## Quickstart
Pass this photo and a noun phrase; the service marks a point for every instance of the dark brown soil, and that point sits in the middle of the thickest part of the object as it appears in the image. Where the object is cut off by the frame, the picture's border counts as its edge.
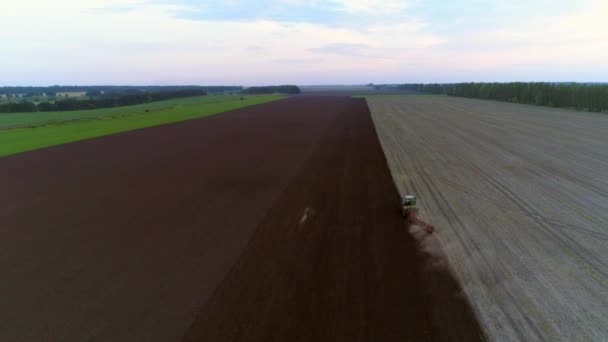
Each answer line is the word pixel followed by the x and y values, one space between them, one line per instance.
pixel 125 237
pixel 274 222
pixel 332 259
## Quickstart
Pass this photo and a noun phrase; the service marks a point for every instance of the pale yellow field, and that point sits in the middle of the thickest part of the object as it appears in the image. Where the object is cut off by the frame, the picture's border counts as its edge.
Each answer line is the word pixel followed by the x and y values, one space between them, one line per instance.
pixel 519 196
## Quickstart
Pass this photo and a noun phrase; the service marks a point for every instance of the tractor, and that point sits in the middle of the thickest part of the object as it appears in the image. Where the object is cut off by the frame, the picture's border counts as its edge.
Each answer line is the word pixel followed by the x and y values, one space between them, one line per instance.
pixel 408 205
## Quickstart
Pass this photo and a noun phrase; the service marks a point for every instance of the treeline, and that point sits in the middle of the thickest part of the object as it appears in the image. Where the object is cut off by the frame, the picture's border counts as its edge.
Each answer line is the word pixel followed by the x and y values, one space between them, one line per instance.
pixel 106 102
pixel 114 89
pixel 282 89
pixel 581 96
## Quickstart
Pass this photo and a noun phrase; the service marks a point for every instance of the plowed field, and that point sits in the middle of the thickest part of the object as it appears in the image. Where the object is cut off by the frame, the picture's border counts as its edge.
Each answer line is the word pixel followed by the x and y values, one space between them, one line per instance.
pixel 273 222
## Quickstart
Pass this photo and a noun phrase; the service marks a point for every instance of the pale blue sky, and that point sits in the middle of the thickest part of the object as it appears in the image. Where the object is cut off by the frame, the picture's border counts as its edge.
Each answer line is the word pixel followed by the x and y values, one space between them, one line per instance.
pixel 302 42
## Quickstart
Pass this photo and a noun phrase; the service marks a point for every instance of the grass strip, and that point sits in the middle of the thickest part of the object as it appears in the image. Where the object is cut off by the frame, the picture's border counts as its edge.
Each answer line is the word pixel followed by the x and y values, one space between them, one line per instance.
pixel 26 139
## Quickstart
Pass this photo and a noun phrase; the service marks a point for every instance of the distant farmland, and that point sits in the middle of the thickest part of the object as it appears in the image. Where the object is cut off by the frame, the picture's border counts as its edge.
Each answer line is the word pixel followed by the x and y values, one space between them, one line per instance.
pixel 21 132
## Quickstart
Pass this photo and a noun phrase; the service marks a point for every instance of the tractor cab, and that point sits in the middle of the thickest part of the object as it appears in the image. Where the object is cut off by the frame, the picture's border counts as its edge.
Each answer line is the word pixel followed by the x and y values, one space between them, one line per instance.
pixel 408 205
pixel 408 200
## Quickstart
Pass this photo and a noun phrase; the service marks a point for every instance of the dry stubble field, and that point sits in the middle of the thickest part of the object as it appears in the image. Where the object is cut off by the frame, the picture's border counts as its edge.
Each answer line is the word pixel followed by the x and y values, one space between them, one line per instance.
pixel 519 195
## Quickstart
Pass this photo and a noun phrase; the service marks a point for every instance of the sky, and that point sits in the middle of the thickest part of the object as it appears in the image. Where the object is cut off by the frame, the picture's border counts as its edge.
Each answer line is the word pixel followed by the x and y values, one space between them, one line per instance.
pixel 304 42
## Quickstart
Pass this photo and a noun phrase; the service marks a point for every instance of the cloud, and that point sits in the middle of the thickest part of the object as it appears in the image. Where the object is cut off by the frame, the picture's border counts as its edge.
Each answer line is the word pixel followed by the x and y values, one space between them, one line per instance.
pixel 158 41
pixel 140 41
pixel 345 49
pixel 372 6
pixel 576 38
pixel 298 61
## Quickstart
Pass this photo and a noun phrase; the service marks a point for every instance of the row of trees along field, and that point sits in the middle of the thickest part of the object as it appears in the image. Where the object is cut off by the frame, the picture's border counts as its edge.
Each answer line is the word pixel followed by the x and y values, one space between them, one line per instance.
pixel 582 96
pixel 123 90
pixel 96 103
pixel 282 89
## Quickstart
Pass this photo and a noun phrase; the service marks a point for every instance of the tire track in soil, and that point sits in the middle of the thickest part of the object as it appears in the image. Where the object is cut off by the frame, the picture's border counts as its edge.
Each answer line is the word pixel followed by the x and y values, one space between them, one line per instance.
pixel 542 219
pixel 521 204
pixel 446 209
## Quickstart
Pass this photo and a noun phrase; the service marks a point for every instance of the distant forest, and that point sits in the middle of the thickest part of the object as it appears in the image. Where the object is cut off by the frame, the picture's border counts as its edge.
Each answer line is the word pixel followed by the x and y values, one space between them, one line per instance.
pixel 49 99
pixel 115 90
pixel 282 89
pixel 102 101
pixel 581 96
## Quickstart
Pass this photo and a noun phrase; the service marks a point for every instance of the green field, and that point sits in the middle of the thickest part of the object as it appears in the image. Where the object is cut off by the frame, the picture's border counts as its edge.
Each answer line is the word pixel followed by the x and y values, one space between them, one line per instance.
pixel 29 131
